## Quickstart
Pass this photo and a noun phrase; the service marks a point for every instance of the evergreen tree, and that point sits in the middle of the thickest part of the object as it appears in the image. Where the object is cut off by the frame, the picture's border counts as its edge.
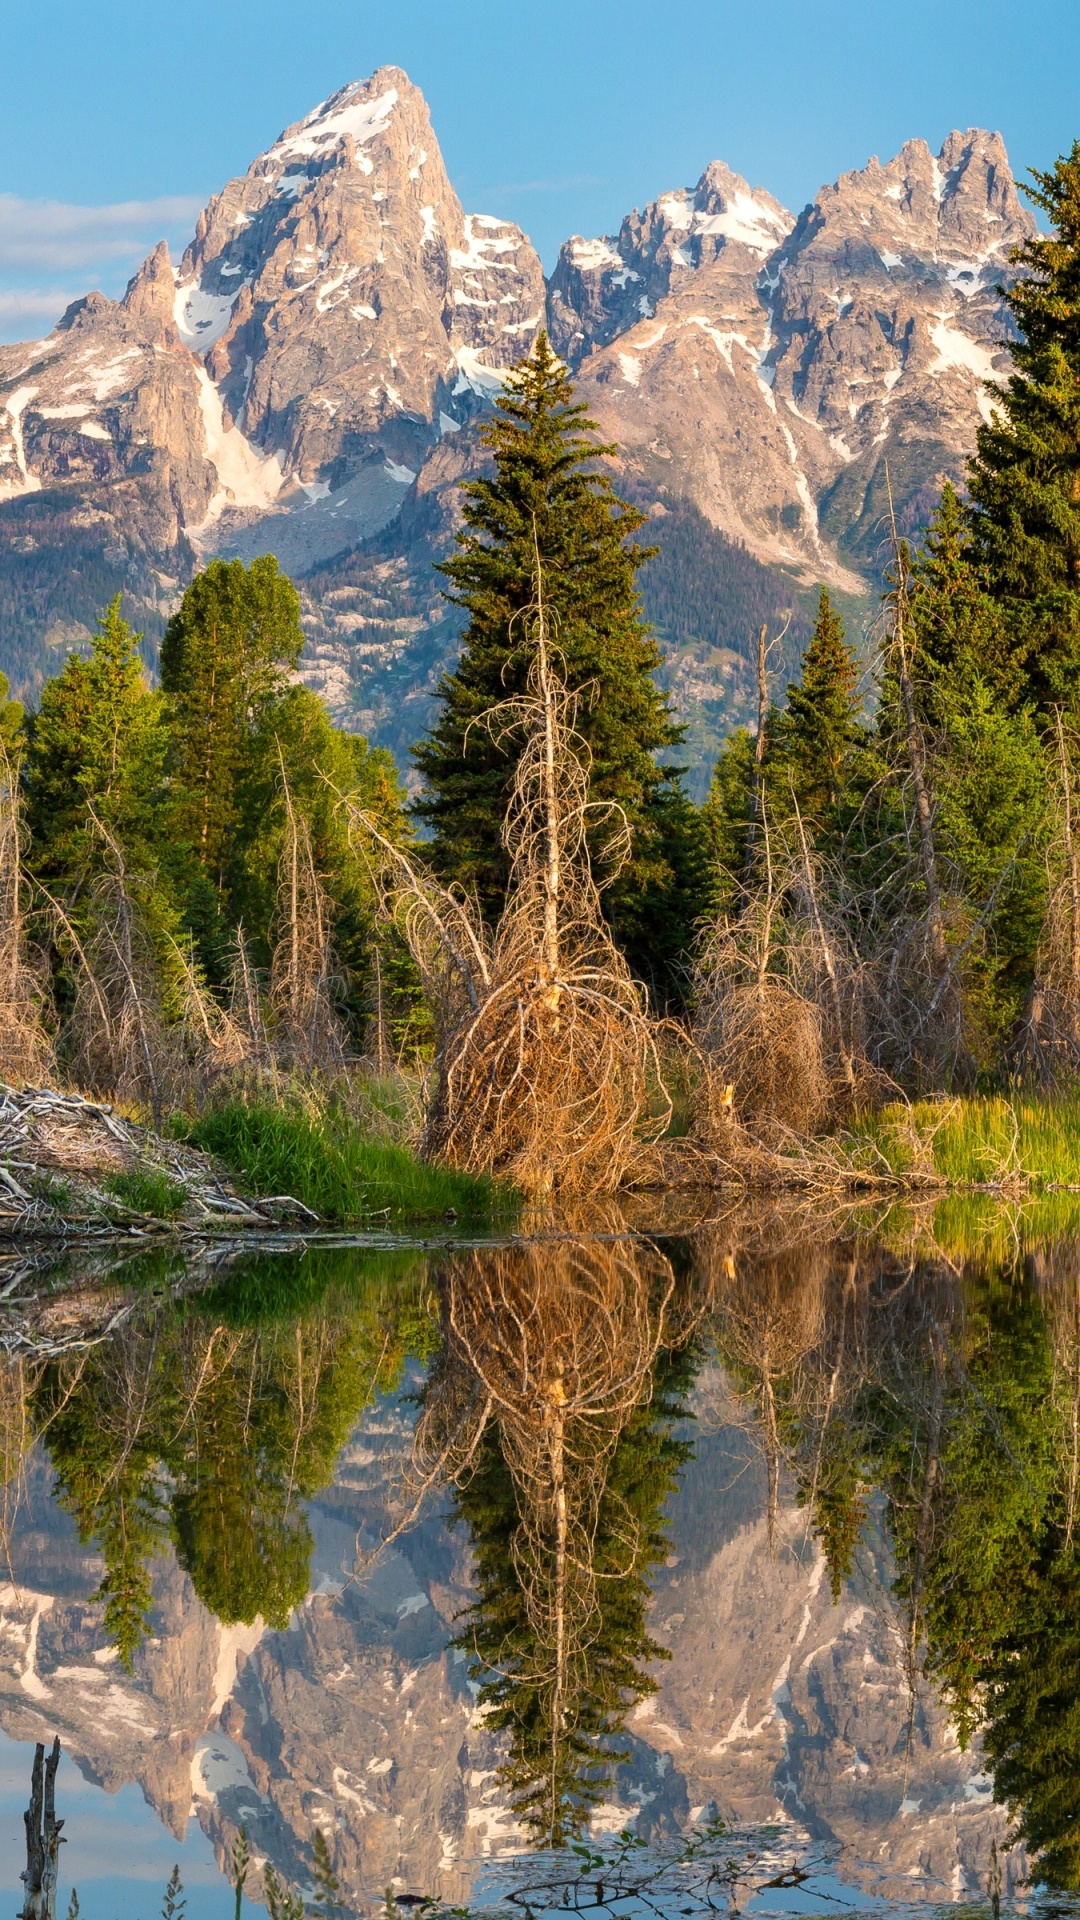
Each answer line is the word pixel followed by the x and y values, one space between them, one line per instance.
pixel 96 742
pixel 549 494
pixel 960 631
pixel 225 661
pixel 556 1774
pixel 817 737
pixel 988 772
pixel 12 720
pixel 727 814
pixel 1025 478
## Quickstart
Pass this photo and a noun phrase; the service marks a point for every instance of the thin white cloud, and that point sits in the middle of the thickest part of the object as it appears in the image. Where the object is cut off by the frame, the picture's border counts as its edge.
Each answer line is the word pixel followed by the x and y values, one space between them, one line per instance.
pixel 55 236
pixel 32 307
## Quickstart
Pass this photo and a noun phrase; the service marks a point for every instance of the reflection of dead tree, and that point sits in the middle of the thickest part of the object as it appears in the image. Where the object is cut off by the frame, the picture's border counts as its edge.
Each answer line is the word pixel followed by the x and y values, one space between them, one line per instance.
pixel 555 1347
pixel 544 1050
pixel 42 1838
pixel 768 1317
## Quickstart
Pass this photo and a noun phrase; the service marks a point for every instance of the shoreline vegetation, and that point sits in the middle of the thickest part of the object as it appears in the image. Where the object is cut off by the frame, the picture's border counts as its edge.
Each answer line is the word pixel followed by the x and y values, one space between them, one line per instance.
pixel 854 969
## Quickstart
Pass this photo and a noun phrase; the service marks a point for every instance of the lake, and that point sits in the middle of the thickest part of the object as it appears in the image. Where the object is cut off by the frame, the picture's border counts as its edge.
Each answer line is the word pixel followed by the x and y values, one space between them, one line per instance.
pixel 728 1566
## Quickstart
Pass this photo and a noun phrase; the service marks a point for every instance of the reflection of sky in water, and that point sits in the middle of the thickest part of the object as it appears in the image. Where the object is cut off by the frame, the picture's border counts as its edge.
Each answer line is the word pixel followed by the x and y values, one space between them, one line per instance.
pixel 784 1702
pixel 102 1831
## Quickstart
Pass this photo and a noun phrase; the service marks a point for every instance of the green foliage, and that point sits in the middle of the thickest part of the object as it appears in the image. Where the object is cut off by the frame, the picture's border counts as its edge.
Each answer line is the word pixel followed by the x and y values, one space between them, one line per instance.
pixel 238 1867
pixel 1025 479
pixel 555 1774
pixel 973 1141
pixel 814 744
pixel 328 1163
pixel 280 1903
pixel 326 1880
pixel 176 1435
pixel 147 1190
pixel 96 744
pixel 225 660
pixel 549 487
pixel 727 812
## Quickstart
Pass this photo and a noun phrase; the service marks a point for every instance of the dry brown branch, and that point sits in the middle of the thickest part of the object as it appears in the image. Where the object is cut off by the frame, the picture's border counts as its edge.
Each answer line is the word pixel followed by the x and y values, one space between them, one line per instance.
pixel 302 971
pixel 546 1057
pixel 25 1046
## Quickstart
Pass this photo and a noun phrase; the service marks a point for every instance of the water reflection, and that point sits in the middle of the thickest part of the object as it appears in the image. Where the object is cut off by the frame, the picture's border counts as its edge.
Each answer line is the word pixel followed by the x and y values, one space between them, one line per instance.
pixel 470 1505
pixel 550 1408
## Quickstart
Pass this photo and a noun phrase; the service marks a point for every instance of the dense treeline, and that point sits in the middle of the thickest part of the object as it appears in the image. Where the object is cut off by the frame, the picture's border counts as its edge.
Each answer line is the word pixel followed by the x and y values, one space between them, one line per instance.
pixel 880 892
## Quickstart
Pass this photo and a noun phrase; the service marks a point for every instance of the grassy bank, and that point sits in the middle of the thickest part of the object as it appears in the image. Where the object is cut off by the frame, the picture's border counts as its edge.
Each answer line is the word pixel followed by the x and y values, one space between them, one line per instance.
pixel 327 1161
pixel 989 1141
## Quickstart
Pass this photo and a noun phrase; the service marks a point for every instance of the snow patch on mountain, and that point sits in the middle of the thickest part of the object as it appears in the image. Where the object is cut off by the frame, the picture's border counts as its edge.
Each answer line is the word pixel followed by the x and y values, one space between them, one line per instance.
pixel 247 478
pixel 202 317
pixel 340 116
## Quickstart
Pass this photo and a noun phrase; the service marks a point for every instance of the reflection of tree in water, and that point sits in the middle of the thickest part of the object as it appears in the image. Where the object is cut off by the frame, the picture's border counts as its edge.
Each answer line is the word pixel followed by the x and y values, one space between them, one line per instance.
pixel 191 1427
pixel 954 1390
pixel 550 1408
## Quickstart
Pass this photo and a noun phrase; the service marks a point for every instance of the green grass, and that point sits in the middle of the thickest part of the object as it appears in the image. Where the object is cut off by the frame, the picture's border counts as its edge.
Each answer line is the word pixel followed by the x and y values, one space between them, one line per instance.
pixel 147 1190
pixel 987 1140
pixel 334 1168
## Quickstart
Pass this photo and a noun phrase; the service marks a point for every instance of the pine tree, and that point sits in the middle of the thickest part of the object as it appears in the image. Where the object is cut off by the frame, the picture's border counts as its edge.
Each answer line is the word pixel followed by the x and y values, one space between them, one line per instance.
pixel 549 492
pixel 96 742
pixel 819 733
pixel 987 768
pixel 960 631
pixel 1025 478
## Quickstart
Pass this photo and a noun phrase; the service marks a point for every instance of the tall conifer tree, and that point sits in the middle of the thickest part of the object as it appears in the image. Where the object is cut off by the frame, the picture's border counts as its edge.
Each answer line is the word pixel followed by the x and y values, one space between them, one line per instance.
pixel 819 733
pixel 1025 478
pixel 549 492
pixel 96 742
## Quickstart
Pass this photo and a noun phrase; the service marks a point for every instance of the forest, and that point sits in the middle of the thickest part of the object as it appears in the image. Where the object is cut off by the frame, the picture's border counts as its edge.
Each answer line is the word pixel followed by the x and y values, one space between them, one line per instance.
pixel 857 960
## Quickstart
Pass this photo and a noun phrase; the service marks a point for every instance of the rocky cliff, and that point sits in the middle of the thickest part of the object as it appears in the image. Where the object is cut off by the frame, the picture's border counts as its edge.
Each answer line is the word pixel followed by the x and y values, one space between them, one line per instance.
pixel 308 380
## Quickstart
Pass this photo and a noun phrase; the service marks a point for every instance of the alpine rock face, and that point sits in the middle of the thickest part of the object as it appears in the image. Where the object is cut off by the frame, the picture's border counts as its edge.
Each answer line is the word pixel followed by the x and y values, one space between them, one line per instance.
pixel 309 379
pixel 769 367
pixel 336 314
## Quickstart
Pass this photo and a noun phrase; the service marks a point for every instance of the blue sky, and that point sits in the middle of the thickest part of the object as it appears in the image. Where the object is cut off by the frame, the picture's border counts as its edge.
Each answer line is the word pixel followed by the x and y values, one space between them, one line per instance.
pixel 121 117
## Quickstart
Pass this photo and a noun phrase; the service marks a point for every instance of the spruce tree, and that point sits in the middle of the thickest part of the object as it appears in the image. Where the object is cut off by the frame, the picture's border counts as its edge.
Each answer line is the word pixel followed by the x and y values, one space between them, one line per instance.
pixel 960 631
pixel 96 742
pixel 1025 478
pixel 549 493
pixel 818 736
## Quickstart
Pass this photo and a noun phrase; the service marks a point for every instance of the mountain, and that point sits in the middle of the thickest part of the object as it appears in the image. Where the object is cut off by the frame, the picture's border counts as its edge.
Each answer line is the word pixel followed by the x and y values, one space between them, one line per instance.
pixel 309 380
pixel 776 1706
pixel 769 367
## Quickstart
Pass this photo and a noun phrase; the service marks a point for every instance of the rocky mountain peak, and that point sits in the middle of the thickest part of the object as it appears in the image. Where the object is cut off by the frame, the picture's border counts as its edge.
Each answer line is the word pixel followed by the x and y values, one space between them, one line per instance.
pixel 601 287
pixel 151 295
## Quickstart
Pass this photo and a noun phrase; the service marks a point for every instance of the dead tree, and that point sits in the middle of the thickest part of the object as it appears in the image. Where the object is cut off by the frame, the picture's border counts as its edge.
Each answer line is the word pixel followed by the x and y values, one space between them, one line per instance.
pixel 42 1838
pixel 547 1064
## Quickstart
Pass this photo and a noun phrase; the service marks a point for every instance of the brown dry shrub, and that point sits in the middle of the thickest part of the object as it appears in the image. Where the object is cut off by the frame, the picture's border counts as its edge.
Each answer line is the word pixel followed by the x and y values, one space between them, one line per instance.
pixel 546 1058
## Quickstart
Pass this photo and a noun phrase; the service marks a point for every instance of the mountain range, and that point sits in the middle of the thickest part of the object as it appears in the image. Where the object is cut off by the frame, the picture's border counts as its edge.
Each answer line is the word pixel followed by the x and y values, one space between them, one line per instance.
pixel 309 380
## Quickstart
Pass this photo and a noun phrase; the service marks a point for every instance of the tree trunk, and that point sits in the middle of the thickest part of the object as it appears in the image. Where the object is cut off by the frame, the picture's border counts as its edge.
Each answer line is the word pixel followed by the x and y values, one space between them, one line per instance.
pixel 42 1838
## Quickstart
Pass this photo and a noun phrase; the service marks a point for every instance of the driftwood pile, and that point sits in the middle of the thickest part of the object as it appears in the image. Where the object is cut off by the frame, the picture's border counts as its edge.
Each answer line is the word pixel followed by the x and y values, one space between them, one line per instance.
pixel 60 1153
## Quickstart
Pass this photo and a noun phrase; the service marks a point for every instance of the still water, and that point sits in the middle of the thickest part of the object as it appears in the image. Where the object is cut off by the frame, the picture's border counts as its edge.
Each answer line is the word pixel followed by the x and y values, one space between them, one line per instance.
pixel 732 1568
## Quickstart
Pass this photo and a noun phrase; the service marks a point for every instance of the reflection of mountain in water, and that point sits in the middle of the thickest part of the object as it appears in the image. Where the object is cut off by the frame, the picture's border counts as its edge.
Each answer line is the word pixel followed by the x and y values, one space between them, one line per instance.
pixel 879 1513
